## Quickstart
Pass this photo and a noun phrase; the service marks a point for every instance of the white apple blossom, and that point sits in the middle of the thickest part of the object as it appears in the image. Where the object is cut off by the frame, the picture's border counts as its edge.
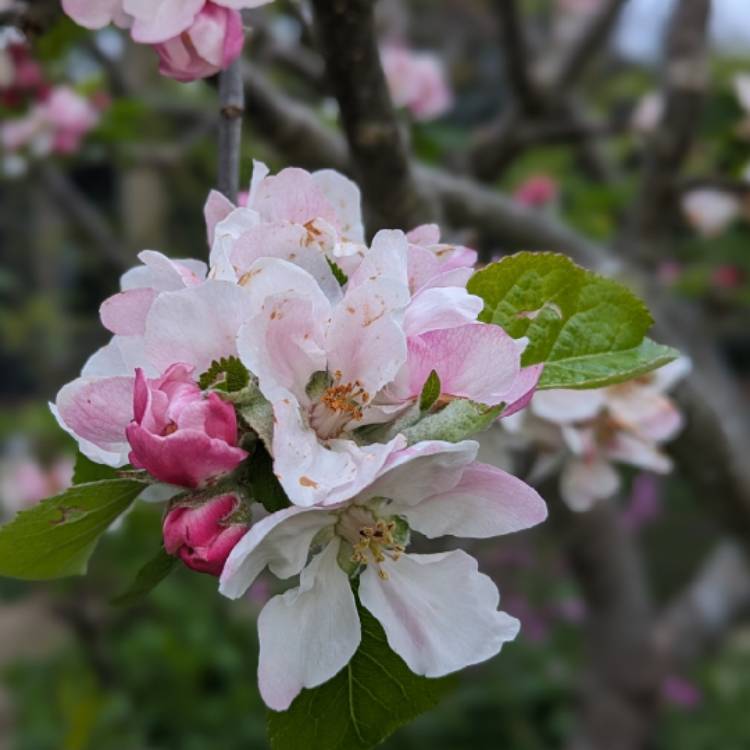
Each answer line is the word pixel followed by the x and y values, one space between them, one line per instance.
pixel 438 612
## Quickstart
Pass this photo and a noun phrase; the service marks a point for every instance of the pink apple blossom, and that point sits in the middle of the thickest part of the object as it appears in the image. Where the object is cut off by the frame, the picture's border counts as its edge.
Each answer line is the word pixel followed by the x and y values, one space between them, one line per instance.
pixel 212 43
pixel 585 433
pixel 710 211
pixel 203 536
pixel 438 612
pixel 727 276
pixel 177 434
pixel 417 81
pixel 536 191
pixel 24 481
pixel 193 38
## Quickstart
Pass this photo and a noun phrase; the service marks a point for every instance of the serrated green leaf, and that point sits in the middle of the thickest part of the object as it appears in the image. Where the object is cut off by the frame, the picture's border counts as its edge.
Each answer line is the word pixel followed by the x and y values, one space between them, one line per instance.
pixel 367 701
pixel 266 488
pixel 457 421
pixel 338 273
pixel 56 537
pixel 87 471
pixel 226 374
pixel 596 371
pixel 587 330
pixel 147 579
pixel 430 391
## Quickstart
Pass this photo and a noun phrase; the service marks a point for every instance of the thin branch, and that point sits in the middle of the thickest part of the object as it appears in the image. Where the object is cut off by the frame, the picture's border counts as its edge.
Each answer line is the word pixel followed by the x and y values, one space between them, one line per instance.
pixel 684 84
pixel 617 702
pixel 517 68
pixel 712 602
pixel 346 33
pixel 593 37
pixel 232 98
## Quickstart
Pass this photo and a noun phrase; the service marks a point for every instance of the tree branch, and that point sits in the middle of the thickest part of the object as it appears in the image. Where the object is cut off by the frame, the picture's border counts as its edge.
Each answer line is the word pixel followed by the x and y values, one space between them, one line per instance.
pixel 711 603
pixel 232 98
pixel 684 81
pixel 346 33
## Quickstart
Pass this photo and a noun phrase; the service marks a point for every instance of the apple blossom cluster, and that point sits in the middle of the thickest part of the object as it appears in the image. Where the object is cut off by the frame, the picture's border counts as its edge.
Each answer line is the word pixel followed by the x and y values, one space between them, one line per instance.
pixel 417 81
pixel 302 342
pixel 193 38
pixel 43 118
pixel 24 481
pixel 583 435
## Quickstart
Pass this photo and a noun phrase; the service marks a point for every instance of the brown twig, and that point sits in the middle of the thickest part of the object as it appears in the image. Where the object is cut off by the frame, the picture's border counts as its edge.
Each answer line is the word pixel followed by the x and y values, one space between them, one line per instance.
pixel 684 81
pixel 232 98
pixel 348 42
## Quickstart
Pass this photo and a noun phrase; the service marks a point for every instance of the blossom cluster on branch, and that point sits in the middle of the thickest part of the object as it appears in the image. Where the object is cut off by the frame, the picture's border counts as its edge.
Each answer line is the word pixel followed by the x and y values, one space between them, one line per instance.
pixel 303 342
pixel 193 38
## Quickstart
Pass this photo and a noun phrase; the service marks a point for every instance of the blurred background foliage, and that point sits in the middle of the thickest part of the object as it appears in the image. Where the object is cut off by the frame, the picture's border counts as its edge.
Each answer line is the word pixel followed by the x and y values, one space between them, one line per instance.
pixel 178 671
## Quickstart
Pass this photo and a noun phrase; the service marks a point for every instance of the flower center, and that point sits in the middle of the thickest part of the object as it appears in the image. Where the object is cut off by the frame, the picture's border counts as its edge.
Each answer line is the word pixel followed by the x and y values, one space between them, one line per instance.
pixel 373 539
pixel 340 404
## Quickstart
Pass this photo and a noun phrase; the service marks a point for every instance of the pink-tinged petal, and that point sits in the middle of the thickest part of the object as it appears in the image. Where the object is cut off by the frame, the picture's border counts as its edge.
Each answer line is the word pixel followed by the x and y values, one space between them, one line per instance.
pixel 387 260
pixel 217 208
pixel 220 419
pixel 486 502
pixel 93 14
pixel 636 451
pixel 364 342
pixel 313 473
pixel 125 313
pixel 97 411
pixel 280 542
pixel 156 21
pixel 346 199
pixel 562 405
pixel 425 235
pixel 439 612
pixel 423 265
pixel 282 346
pixel 119 357
pixel 650 415
pixel 162 273
pixel 478 361
pixel 292 195
pixel 186 458
pixel 422 470
pixel 289 242
pixel 584 482
pixel 523 390
pixel 438 308
pixel 242 4
pixel 196 325
pixel 309 633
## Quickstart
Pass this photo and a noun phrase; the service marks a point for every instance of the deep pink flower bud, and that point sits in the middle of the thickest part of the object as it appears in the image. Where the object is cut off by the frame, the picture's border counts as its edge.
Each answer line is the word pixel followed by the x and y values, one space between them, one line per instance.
pixel 212 42
pixel 537 191
pixel 178 435
pixel 203 537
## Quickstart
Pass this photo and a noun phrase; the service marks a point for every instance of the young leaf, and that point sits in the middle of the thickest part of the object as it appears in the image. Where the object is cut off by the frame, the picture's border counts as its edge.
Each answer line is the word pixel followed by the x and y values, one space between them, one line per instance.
pixel 87 471
pixel 147 579
pixel 367 701
pixel 588 330
pixel 227 374
pixel 266 488
pixel 56 537
pixel 430 392
pixel 339 275
pixel 457 421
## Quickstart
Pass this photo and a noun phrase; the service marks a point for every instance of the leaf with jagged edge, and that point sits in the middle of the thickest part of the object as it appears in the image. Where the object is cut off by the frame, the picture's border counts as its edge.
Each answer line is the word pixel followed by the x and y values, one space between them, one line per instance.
pixel 430 391
pixel 227 374
pixel 57 536
pixel 588 330
pixel 459 420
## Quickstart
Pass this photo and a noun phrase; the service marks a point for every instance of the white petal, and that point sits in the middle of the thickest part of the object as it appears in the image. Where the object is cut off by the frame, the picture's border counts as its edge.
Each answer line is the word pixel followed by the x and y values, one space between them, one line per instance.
pixel 308 634
pixel 486 502
pixel 345 197
pixel 280 541
pixel 582 483
pixel 439 612
pixel 441 307
pixel 196 325
pixel 311 472
pixel 562 405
